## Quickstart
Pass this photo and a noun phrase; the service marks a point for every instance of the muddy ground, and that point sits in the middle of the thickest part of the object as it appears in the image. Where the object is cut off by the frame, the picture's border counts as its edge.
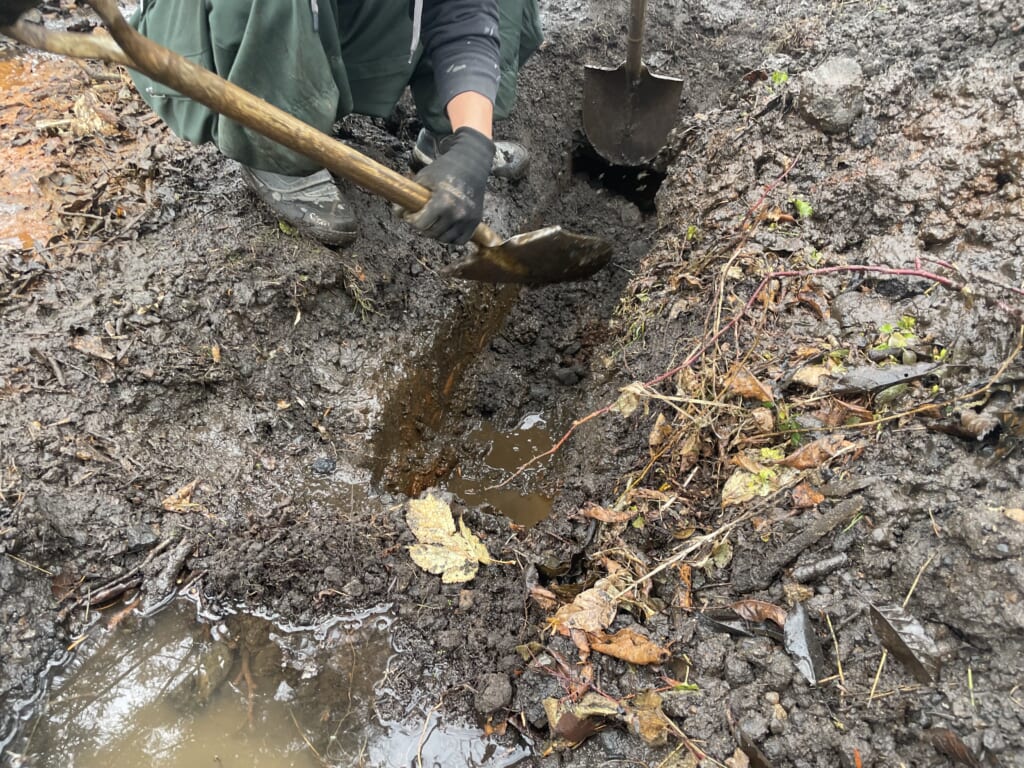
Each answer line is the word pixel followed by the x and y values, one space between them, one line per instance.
pixel 173 333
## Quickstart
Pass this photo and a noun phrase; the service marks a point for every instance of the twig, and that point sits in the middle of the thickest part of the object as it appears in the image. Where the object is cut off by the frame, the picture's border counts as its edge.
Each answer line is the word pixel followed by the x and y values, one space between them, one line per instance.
pixel 835 643
pixel 423 732
pixel 710 341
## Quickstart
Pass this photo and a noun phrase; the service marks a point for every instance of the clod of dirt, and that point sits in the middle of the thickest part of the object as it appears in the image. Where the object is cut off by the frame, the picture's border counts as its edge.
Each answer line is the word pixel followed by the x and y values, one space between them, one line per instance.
pixel 494 692
pixel 832 95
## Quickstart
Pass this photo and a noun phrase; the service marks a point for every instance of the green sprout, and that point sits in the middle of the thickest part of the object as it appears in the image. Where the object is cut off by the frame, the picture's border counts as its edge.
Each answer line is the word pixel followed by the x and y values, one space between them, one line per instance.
pixel 804 210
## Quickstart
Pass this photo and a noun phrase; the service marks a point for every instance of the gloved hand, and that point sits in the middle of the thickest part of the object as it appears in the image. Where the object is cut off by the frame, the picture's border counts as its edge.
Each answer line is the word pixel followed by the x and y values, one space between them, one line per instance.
pixel 457 178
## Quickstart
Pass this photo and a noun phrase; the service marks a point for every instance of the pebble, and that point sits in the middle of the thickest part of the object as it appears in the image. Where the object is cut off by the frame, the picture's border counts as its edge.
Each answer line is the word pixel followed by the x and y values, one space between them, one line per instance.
pixel 325 465
pixel 832 95
pixel 494 692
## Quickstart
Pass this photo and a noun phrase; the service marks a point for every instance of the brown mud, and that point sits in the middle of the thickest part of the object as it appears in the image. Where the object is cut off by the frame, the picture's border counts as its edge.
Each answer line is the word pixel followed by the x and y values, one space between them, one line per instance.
pixel 172 333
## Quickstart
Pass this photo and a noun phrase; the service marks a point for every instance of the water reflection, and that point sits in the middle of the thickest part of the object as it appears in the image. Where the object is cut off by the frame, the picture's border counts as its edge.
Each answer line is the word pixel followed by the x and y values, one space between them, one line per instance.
pixel 242 691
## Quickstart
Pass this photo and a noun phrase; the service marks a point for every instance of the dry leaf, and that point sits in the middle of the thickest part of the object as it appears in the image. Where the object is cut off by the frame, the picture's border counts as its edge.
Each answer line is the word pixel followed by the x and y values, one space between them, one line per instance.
pixel 759 610
pixel 592 611
pixel 811 375
pixel 572 722
pixel 684 599
pixel 545 598
pixel 817 453
pixel 743 383
pixel 595 512
pixel 1017 515
pixel 454 555
pixel 660 432
pixel 215 353
pixel 764 420
pixel 804 497
pixel 93 346
pixel 743 486
pixel 181 499
pixel 647 720
pixel 630 398
pixel 629 646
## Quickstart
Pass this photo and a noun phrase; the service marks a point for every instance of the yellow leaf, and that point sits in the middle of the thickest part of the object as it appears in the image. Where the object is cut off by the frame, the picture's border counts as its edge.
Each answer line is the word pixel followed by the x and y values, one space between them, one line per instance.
pixel 1014 514
pixel 647 720
pixel 629 400
pixel 455 556
pixel 743 486
pixel 811 375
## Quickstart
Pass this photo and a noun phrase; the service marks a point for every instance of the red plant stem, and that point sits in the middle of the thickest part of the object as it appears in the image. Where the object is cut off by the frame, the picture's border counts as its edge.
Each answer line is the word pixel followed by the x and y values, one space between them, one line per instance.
pixel 710 341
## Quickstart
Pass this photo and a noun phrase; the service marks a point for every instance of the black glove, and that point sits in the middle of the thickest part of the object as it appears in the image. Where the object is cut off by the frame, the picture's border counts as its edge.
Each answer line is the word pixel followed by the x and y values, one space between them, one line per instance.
pixel 457 178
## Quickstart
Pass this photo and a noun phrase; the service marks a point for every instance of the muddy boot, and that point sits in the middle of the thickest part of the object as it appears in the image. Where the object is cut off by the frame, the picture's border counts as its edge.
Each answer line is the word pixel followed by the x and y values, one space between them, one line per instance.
pixel 312 204
pixel 511 159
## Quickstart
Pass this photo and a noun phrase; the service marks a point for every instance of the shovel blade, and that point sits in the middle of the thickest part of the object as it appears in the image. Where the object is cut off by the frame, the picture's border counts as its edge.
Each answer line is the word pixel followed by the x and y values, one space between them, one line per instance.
pixel 627 120
pixel 549 255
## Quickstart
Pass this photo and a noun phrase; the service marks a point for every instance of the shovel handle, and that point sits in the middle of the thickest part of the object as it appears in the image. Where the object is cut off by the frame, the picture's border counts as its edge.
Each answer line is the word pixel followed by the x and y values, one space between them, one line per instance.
pixel 202 85
pixel 635 42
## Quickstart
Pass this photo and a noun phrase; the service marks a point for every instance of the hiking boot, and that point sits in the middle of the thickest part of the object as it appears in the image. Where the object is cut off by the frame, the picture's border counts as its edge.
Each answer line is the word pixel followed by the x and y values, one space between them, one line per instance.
pixel 312 204
pixel 511 159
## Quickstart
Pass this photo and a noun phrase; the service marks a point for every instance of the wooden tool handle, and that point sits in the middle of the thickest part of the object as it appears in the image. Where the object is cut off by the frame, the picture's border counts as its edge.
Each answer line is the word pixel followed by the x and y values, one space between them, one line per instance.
pixel 228 99
pixel 635 42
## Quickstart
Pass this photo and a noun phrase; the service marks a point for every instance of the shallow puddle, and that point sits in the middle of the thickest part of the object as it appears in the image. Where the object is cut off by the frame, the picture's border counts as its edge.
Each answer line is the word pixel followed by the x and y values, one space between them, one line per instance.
pixel 505 452
pixel 236 692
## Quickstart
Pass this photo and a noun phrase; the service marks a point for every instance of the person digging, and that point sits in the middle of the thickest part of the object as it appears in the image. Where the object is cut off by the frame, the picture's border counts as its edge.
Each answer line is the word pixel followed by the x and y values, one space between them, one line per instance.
pixel 323 59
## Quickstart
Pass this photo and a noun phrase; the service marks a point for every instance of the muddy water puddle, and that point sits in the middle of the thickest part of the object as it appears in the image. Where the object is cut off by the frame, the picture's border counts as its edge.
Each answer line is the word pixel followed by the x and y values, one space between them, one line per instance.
pixel 241 690
pixel 503 453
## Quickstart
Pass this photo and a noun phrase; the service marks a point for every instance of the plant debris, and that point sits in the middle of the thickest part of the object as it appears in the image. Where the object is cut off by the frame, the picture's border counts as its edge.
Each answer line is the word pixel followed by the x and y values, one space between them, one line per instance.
pixel 455 554
pixel 906 639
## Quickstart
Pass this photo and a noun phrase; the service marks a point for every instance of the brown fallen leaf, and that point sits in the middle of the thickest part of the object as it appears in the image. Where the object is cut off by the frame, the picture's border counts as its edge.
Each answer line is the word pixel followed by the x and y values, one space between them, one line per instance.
pixel 952 746
pixel 573 722
pixel 817 453
pixel 629 646
pixel 811 375
pixel 595 512
pixel 684 598
pixel 592 611
pixel 545 598
pixel 745 384
pixel 759 610
pixel 181 499
pixel 647 720
pixel 660 432
pixel 804 497
pixel 92 346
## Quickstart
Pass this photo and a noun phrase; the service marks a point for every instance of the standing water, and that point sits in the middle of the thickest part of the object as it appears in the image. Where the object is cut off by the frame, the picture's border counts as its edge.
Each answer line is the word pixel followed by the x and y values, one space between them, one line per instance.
pixel 177 691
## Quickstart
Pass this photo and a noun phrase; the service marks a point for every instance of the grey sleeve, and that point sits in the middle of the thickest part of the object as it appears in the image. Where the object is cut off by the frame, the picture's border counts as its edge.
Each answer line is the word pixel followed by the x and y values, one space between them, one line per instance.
pixel 461 39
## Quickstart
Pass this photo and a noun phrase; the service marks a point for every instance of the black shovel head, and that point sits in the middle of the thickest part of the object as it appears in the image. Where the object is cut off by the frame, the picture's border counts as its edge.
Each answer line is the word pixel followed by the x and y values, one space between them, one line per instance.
pixel 627 120
pixel 549 255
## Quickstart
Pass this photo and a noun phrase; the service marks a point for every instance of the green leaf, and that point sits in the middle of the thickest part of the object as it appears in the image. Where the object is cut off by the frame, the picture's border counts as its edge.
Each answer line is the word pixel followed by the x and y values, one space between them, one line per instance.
pixel 803 208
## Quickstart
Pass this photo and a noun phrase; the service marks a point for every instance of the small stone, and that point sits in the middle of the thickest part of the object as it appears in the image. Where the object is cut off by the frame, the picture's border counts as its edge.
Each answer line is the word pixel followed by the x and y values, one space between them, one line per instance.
pixel 494 692
pixel 325 465
pixel 772 697
pixel 738 671
pixel 832 95
pixel 754 727
pixel 465 599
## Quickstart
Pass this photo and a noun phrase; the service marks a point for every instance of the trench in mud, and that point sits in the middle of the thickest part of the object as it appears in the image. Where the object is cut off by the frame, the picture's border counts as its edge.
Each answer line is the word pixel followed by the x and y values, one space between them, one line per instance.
pixel 183 687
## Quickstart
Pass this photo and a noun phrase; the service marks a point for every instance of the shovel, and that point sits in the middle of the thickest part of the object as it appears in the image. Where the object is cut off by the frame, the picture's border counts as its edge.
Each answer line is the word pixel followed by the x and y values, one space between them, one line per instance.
pixel 627 110
pixel 548 255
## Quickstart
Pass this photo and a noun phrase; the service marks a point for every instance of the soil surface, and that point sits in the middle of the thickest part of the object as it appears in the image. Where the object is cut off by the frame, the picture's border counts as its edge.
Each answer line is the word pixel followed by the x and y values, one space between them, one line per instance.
pixel 824 298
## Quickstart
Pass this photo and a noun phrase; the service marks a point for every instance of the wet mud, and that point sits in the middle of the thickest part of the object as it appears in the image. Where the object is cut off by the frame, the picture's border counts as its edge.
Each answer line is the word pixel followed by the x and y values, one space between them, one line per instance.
pixel 190 395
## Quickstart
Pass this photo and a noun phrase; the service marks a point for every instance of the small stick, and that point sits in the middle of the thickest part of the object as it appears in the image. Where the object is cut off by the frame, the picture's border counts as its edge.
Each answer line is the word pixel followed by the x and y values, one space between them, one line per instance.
pixel 835 643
